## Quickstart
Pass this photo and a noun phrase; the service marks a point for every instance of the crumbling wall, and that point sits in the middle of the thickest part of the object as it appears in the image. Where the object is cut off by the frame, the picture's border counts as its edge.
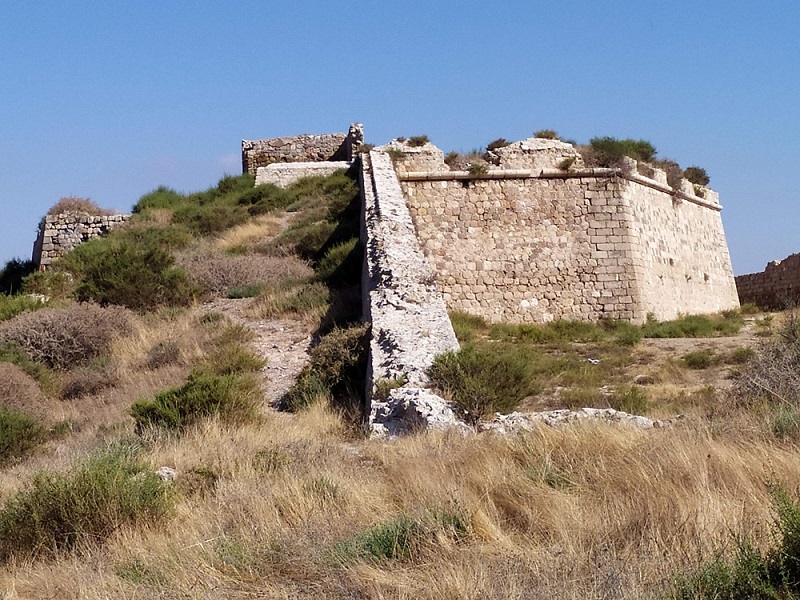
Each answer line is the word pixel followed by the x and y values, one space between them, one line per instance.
pixel 546 238
pixel 58 234
pixel 776 287
pixel 302 148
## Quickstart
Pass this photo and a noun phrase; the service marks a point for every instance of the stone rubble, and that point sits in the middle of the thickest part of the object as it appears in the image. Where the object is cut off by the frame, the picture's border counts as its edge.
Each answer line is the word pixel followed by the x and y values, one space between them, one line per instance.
pixel 517 421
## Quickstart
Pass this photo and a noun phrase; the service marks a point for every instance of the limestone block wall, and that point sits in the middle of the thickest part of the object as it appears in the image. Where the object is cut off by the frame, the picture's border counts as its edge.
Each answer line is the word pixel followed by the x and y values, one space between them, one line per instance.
pixel 527 250
pixel 681 260
pixel 301 148
pixel 536 242
pixel 285 174
pixel 776 287
pixel 58 234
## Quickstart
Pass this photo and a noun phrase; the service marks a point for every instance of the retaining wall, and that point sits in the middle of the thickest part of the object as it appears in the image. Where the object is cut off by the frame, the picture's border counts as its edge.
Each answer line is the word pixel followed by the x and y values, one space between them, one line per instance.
pixel 58 234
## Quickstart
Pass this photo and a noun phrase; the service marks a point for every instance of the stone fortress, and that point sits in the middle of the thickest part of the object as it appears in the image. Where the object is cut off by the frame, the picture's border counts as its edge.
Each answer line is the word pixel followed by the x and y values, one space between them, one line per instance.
pixel 537 237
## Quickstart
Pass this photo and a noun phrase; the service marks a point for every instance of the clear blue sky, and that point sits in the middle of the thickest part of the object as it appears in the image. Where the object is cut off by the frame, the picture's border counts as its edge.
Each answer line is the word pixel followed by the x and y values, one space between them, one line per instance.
pixel 109 100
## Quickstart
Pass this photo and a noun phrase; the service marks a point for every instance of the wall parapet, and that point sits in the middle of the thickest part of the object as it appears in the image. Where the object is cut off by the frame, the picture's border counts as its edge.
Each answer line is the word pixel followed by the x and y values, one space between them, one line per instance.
pixel 58 234
pixel 285 174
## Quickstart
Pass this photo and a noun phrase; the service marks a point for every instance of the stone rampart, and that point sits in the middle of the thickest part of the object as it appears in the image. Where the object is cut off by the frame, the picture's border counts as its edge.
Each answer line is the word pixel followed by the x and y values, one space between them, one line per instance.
pixel 544 240
pixel 285 174
pixel 776 287
pixel 301 148
pixel 410 325
pixel 58 234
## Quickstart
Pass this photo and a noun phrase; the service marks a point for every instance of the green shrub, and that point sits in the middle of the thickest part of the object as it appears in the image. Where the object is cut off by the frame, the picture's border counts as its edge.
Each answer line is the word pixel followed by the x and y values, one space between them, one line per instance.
pixel 478 169
pixel 742 355
pixel 161 197
pixel 484 379
pixel 418 140
pixel 609 150
pixel 336 368
pixel 292 298
pixel 547 134
pixel 234 398
pixel 341 264
pixel 81 508
pixel 384 386
pixel 13 274
pixel 749 308
pixel 693 326
pixel 19 434
pixel 245 291
pixel 630 399
pixel 467 326
pixel 697 175
pixel 115 270
pixel 700 359
pixel 266 198
pixel 11 306
pixel 498 143
pixel 52 284
pixel 208 219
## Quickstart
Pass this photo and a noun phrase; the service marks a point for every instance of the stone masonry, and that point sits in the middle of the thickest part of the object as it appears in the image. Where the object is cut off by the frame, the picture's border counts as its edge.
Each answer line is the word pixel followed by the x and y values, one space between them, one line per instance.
pixel 536 240
pixel 58 234
pixel 285 174
pixel 302 148
pixel 776 287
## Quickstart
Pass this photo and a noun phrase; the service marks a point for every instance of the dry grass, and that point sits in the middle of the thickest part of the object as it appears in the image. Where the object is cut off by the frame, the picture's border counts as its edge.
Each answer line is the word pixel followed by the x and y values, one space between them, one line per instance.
pixel 255 231
pixel 586 511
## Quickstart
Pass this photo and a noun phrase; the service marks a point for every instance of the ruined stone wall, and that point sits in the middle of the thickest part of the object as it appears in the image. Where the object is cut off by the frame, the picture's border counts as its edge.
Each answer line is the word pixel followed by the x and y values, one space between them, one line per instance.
pixel 58 234
pixel 301 148
pixel 541 243
pixel 776 287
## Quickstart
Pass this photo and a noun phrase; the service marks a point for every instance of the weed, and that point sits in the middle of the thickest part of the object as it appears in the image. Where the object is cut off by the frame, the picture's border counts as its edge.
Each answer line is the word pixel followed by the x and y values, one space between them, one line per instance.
pixel 52 284
pixel 742 355
pixel 749 308
pixel 245 291
pixel 416 141
pixel 498 143
pixel 478 169
pixel 165 352
pixel 292 298
pixel 467 326
pixel 694 326
pixel 393 539
pixel 567 163
pixel 385 385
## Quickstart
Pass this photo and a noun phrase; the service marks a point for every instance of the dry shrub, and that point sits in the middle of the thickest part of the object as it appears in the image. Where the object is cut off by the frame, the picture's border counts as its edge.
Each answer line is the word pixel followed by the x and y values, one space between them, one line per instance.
pixel 62 338
pixel 78 205
pixel 85 381
pixel 19 392
pixel 220 272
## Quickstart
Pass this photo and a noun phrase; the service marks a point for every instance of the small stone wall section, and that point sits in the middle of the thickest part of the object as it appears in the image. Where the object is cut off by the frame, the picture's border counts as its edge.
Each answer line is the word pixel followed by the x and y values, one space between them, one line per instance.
pixel 776 287
pixel 58 234
pixel 410 325
pixel 285 174
pixel 302 148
